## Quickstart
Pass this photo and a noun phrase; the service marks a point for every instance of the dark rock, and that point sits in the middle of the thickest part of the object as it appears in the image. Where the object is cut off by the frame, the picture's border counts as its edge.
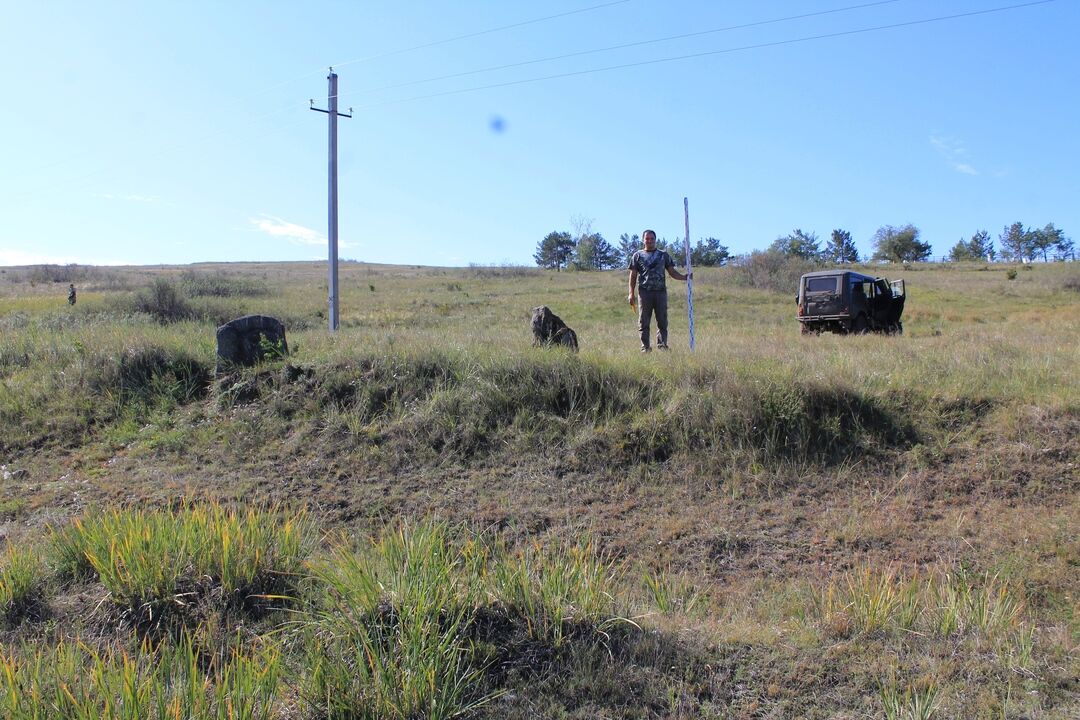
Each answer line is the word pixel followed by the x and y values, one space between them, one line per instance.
pixel 247 340
pixel 549 329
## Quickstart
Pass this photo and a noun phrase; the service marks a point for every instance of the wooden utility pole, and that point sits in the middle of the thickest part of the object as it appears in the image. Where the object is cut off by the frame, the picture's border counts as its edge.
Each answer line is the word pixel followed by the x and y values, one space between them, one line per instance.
pixel 332 223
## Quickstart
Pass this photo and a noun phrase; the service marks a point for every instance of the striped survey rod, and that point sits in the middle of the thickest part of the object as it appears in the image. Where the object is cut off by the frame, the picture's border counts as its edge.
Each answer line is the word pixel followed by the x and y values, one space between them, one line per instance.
pixel 689 269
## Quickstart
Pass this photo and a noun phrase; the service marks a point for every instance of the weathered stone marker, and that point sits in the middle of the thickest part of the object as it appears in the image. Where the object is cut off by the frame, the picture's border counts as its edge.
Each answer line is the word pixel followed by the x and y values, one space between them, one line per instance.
pixel 549 329
pixel 247 340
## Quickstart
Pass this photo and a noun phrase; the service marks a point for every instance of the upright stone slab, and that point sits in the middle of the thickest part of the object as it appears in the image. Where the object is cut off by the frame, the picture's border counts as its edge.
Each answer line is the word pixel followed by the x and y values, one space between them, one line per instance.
pixel 549 329
pixel 247 340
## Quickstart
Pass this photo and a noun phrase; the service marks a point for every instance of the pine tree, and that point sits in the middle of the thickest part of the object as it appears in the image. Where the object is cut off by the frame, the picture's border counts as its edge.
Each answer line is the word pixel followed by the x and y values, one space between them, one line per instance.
pixel 554 251
pixel 1016 243
pixel 840 248
pixel 981 246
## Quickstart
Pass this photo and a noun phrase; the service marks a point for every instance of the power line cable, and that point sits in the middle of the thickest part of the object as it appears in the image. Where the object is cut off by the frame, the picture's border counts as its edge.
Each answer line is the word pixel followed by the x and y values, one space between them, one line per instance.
pixel 623 46
pixel 479 33
pixel 320 71
pixel 759 46
pixel 445 41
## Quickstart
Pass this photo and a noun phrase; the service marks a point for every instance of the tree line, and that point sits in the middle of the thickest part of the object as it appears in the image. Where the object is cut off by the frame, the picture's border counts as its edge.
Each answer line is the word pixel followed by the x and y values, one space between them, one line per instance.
pixel 587 250
pixel 891 244
pixel 903 244
pixel 1017 244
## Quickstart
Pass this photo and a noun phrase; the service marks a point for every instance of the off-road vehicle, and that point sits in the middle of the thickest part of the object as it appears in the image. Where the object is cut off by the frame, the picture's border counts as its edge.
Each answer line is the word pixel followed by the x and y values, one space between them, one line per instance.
pixel 845 301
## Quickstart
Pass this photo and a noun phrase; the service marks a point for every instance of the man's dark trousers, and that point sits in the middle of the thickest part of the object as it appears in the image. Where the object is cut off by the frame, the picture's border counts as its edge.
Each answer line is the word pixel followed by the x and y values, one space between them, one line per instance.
pixel 650 301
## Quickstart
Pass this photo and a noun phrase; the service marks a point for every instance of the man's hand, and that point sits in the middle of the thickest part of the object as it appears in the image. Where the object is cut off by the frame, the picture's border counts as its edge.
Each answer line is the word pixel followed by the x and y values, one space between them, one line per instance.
pixel 632 300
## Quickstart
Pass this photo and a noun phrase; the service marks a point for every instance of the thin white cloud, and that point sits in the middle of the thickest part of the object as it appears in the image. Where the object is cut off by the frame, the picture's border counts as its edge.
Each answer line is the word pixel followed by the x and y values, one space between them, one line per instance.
pixel 22 257
pixel 129 198
pixel 954 152
pixel 277 227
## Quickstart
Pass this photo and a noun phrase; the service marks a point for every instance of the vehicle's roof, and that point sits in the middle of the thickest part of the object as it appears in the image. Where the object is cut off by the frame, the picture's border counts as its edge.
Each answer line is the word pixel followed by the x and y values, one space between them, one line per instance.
pixel 834 273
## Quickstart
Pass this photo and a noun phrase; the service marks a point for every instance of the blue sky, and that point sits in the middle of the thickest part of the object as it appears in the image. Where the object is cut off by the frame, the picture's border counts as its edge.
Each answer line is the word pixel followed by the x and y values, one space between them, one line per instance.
pixel 167 132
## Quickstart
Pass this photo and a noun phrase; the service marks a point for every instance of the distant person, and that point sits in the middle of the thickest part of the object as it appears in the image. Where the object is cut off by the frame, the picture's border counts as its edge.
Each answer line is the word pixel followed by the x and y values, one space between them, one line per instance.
pixel 71 294
pixel 648 289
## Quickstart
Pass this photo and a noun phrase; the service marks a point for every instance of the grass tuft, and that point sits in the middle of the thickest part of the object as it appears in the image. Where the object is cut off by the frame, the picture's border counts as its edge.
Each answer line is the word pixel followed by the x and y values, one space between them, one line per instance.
pixel 21 584
pixel 409 626
pixel 75 682
pixel 911 704
pixel 160 566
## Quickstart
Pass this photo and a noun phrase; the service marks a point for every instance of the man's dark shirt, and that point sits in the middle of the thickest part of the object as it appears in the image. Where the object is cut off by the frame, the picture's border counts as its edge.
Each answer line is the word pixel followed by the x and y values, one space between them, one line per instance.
pixel 651 268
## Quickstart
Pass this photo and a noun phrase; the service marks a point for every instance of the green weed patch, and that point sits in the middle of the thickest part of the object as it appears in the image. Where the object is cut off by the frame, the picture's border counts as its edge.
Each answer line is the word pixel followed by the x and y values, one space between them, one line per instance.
pixel 412 625
pixel 162 567
pixel 22 580
pixel 72 681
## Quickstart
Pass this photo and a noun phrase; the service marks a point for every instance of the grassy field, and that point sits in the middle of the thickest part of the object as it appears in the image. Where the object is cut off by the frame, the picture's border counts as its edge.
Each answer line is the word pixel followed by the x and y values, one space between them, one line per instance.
pixel 425 516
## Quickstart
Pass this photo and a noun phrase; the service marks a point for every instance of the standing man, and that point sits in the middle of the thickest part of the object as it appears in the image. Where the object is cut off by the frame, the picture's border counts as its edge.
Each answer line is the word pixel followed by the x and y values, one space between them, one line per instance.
pixel 71 294
pixel 647 268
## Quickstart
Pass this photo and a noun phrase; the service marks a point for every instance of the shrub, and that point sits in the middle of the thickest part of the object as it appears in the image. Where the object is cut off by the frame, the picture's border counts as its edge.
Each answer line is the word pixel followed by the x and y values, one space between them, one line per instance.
pixel 164 301
pixel 200 284
pixel 771 270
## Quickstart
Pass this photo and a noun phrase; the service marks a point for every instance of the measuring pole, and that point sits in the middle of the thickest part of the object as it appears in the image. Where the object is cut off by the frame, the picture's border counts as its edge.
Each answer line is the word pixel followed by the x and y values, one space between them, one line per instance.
pixel 689 269
pixel 332 222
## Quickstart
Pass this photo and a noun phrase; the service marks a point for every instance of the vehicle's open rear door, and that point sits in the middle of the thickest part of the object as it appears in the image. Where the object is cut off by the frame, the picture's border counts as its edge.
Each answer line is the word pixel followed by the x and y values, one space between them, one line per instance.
pixel 898 289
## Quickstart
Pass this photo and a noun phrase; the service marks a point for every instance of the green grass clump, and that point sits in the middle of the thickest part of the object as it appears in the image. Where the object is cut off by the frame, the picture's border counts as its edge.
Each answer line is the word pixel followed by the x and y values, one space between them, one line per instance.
pixel 21 583
pixel 409 626
pixel 556 591
pixel 989 609
pixel 869 600
pixel 171 682
pixel 158 565
pixel 910 703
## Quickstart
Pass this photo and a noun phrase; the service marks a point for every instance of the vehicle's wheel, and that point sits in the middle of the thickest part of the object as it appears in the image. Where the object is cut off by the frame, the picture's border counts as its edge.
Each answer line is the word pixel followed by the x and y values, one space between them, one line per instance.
pixel 899 328
pixel 804 328
pixel 859 325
